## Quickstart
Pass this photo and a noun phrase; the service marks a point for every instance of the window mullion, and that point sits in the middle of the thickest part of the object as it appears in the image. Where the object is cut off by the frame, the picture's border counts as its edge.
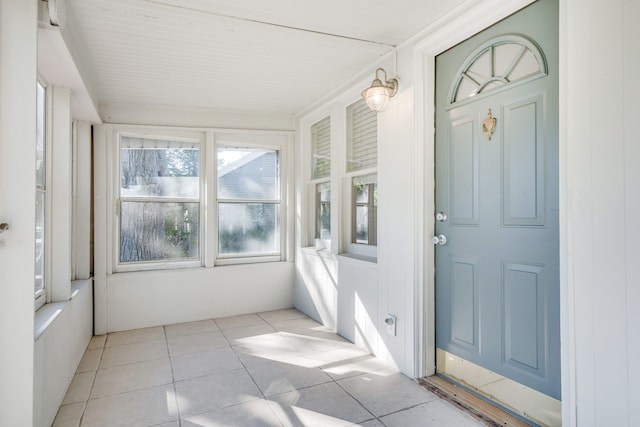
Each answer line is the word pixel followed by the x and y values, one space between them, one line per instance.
pixel 240 201
pixel 160 199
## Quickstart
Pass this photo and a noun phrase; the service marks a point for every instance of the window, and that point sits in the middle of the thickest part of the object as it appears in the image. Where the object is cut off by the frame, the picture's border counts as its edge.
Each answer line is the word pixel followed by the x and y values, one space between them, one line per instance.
pixel 248 195
pixel 159 200
pixel 505 60
pixel 323 211
pixel 364 210
pixel 186 198
pixel 41 196
pixel 321 174
pixel 361 163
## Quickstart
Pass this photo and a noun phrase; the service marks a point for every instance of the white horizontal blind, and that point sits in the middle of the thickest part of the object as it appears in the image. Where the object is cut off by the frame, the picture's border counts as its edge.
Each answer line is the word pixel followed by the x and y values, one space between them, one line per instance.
pixel 321 148
pixel 362 137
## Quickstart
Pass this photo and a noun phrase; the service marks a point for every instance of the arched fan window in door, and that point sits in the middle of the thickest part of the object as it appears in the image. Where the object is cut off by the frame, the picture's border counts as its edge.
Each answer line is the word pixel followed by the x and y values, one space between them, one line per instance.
pixel 500 62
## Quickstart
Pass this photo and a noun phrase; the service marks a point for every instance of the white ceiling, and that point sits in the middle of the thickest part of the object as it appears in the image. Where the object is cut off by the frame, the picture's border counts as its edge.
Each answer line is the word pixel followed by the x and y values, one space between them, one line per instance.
pixel 275 56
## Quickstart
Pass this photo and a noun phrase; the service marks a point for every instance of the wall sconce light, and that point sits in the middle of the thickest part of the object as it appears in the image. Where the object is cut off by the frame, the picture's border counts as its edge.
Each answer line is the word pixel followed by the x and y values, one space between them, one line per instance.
pixel 378 94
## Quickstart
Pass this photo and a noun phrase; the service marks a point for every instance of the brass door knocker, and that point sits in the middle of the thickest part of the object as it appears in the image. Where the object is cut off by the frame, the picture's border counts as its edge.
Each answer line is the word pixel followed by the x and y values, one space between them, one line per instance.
pixel 489 125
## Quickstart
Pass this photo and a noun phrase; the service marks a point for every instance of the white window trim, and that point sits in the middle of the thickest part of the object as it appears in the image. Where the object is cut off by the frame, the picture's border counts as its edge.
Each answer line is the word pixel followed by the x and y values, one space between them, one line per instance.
pixel 307 195
pixel 109 134
pixel 319 243
pixel 239 140
pixel 197 137
pixel 359 249
pixel 340 181
pixel 45 296
pixel 59 195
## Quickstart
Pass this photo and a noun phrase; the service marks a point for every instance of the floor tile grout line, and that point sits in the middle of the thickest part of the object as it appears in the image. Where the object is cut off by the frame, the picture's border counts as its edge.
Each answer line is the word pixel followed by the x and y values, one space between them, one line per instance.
pixel 409 407
pixel 173 377
pixel 133 363
pixel 207 375
pixel 237 352
pixel 222 408
pixel 130 331
pixel 93 383
pixel 264 397
pixel 244 366
pixel 357 400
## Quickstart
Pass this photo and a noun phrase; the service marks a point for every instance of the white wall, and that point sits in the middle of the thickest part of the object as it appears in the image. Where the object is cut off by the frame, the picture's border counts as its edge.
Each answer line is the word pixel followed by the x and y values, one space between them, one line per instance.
pixel 143 299
pixel 316 286
pixel 601 236
pixel 59 349
pixel 34 375
pixel 18 25
pixel 353 294
pixel 195 117
pixel 128 300
pixel 600 203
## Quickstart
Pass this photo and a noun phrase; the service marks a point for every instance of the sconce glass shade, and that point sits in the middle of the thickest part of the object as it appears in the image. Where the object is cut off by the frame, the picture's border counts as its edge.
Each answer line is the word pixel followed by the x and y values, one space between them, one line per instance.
pixel 378 94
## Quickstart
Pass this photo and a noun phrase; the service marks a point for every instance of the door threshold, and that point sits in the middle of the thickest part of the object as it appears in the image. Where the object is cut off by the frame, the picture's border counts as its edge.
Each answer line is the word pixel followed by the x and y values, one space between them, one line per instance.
pixel 479 408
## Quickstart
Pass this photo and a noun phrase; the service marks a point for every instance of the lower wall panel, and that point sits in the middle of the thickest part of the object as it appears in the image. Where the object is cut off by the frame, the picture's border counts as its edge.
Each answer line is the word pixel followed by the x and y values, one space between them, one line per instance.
pixel 358 304
pixel 343 293
pixel 153 298
pixel 59 349
pixel 316 289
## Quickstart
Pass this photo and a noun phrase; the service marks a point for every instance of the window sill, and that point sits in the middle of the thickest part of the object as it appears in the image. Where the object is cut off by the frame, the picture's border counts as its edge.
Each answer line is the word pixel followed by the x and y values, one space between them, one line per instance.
pixel 357 257
pixel 248 260
pixel 323 252
pixel 155 265
pixel 47 314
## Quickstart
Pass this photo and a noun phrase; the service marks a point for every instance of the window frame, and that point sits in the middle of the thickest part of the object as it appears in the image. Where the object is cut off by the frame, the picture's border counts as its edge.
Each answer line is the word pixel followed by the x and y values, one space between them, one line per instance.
pixel 186 137
pixel 241 141
pixel 348 209
pixel 43 296
pixel 210 138
pixel 318 205
pixel 371 205
pixel 314 182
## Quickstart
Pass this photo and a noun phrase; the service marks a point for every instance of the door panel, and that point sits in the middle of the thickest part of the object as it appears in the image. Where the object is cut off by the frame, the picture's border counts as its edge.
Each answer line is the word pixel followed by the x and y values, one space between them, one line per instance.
pixel 463 172
pixel 464 303
pixel 524 317
pixel 497 277
pixel 523 163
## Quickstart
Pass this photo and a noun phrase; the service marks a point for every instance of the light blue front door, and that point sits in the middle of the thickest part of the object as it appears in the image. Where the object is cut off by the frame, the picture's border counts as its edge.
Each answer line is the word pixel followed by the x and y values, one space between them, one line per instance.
pixel 497 275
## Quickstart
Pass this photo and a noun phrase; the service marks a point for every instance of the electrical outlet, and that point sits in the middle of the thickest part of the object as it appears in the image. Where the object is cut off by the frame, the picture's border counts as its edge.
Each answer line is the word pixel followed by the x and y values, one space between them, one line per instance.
pixel 391 322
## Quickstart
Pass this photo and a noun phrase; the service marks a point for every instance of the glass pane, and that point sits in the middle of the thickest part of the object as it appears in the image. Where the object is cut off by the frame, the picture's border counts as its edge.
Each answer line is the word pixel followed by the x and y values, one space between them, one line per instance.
pixel 362 193
pixel 323 203
pixel 156 231
pixel 248 228
pixel 40 137
pixel 365 207
pixel 248 174
pixel 40 243
pixel 362 224
pixel 160 172
pixel 528 65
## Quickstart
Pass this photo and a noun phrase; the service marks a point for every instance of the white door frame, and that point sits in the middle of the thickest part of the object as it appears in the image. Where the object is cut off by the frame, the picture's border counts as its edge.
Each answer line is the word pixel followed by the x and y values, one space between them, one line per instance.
pixel 461 23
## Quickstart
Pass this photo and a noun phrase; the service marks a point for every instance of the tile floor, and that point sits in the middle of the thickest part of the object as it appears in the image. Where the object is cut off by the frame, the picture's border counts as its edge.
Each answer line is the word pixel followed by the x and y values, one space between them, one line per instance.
pixel 277 368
